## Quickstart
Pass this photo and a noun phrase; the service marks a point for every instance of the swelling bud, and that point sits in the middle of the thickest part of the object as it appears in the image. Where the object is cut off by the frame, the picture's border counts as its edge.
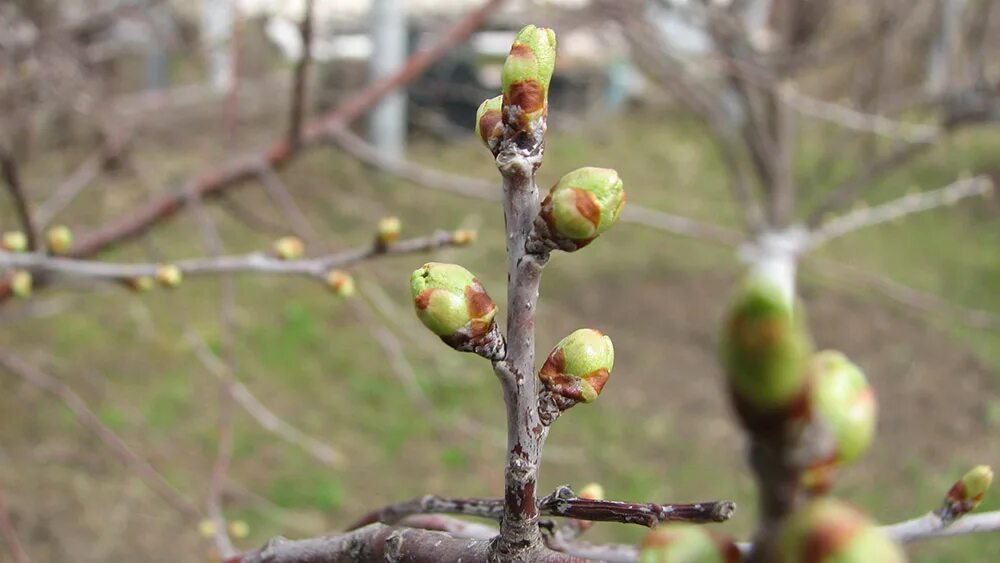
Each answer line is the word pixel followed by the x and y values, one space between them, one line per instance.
pixel 827 530
pixel 452 303
pixel 686 543
pixel 489 123
pixel 169 276
pixel 525 78
pixel 21 283
pixel 289 248
pixel 578 367
pixel 14 241
pixel 966 494
pixel 341 283
pixel 388 231
pixel 582 205
pixel 59 239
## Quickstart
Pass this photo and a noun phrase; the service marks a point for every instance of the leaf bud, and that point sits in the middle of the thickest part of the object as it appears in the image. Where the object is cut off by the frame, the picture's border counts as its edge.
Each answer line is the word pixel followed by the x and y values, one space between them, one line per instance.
pixel 169 275
pixel 289 248
pixel 14 241
pixel 239 529
pixel 582 205
pixel 826 530
pixel 578 367
pixel 388 231
pixel 525 78
pixel 59 239
pixel 966 494
pixel 20 283
pixel 340 282
pixel 453 304
pixel 464 237
pixel 489 123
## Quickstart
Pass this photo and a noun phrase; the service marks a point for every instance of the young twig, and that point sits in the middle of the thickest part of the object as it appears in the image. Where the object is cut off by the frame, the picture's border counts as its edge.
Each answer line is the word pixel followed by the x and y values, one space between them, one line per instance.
pixel 86 418
pixel 12 178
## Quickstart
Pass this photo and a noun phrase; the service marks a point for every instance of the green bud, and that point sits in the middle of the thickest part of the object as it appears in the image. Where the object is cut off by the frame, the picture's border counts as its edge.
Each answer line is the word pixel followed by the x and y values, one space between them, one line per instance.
pixel 489 122
pixel 844 401
pixel 966 494
pixel 578 367
pixel 206 528
pixel 686 543
pixel 340 283
pixel 764 348
pixel 14 241
pixel 463 237
pixel 59 239
pixel 592 491
pixel 453 304
pixel 826 530
pixel 239 529
pixel 20 283
pixel 388 231
pixel 169 275
pixel 526 76
pixel 140 284
pixel 582 205
pixel 289 248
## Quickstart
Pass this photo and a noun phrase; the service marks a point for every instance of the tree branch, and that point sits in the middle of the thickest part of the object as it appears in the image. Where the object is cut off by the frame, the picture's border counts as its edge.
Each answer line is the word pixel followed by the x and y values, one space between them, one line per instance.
pixel 913 203
pixel 255 262
pixel 301 76
pixel 12 177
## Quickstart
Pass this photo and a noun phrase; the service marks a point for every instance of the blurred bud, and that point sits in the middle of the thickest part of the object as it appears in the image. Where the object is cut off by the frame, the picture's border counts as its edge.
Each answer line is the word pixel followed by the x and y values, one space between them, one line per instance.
pixel 239 529
pixel 340 283
pixel 20 283
pixel 764 348
pixel 169 275
pixel 581 206
pixel 388 231
pixel 463 237
pixel 489 124
pixel 826 530
pixel 686 543
pixel 843 405
pixel 592 491
pixel 966 494
pixel 59 239
pixel 453 304
pixel 578 367
pixel 14 241
pixel 289 248
pixel 526 75
pixel 206 528
pixel 140 284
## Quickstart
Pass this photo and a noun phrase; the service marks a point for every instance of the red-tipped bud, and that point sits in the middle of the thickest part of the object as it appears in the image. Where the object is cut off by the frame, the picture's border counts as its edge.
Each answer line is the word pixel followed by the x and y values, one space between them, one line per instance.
pixel 341 283
pixel 526 76
pixel 489 124
pixel 453 304
pixel 578 367
pixel 829 531
pixel 582 205
pixel 966 494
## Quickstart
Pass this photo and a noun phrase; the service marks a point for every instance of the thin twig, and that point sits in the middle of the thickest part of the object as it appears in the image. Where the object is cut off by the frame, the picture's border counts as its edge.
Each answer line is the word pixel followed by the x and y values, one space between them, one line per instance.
pixel 12 177
pixel 86 418
pixel 301 76
pixel 9 535
pixel 259 263
pixel 931 526
pixel 895 209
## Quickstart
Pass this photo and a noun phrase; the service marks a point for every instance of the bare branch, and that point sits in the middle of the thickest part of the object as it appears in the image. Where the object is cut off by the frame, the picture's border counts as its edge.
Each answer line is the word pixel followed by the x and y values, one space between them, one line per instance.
pixel 12 177
pixel 452 526
pixel 931 526
pixel 256 262
pixel 895 209
pixel 9 535
pixel 86 418
pixel 301 76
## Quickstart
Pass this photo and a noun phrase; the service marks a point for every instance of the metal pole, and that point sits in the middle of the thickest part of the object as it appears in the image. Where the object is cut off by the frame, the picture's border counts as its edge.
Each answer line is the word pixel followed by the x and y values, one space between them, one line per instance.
pixel 389 46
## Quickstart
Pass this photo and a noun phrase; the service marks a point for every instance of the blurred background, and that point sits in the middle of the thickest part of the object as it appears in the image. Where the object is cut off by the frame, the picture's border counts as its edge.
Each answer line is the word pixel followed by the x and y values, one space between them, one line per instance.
pixel 113 109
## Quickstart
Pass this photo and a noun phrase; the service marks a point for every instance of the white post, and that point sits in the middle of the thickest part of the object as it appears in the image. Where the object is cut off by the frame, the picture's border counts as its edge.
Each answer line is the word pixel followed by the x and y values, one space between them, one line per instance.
pixel 216 32
pixel 942 45
pixel 389 45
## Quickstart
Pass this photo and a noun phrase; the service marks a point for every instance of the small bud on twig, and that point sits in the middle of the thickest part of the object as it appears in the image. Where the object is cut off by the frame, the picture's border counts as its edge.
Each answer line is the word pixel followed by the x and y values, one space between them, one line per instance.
pixel 59 239
pixel 388 231
pixel 526 76
pixel 966 494
pixel 14 241
pixel 463 237
pixel 764 348
pixel 843 404
pixel 827 530
pixel 592 491
pixel 677 543
pixel 289 248
pixel 20 283
pixel 340 283
pixel 489 124
pixel 239 529
pixel 582 205
pixel 453 304
pixel 169 275
pixel 140 284
pixel 578 367
pixel 206 528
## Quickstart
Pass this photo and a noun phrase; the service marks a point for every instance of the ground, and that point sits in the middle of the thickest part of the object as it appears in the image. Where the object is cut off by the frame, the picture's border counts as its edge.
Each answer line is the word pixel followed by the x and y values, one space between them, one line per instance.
pixel 661 431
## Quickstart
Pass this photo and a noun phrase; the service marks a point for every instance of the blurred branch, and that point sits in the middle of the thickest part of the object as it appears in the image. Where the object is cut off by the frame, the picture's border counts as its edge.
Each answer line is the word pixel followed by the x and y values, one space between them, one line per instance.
pixel 895 209
pixel 562 503
pixel 260 413
pixel 12 177
pixel 240 169
pixel 14 547
pixel 452 526
pixel 931 526
pixel 255 262
pixel 301 76
pixel 86 418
